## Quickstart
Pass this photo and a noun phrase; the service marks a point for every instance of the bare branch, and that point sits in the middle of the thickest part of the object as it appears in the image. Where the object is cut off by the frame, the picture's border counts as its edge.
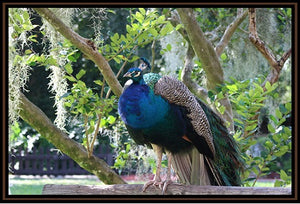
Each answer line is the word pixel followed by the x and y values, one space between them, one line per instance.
pixel 186 75
pixel 284 57
pixel 208 57
pixel 153 55
pixel 276 65
pixel 229 32
pixel 212 35
pixel 86 46
pixel 175 20
pixel 258 43
pixel 203 48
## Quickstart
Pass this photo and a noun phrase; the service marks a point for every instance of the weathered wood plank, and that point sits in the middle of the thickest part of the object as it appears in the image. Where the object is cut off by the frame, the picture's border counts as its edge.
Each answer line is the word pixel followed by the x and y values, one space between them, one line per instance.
pixel 173 189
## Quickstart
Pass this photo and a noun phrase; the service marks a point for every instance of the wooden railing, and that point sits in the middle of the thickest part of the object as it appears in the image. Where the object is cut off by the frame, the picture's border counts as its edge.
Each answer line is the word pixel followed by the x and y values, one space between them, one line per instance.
pixel 46 161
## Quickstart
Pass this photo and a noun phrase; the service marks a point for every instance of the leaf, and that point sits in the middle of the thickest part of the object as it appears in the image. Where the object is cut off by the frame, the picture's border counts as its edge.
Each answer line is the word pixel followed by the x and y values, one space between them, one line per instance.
pixel 268 86
pixel 283 175
pixel 271 128
pixel 278 183
pixel 274 119
pixel 222 109
pixel 160 19
pixel 169 47
pixel 178 26
pixel 269 144
pixel 265 169
pixel 69 68
pixel 258 88
pixel 166 29
pixel 70 78
pixel 64 95
pixel 278 113
pixel 289 12
pixel 288 131
pixel 71 58
pixel 111 119
pixel 232 88
pixel 254 169
pixel 288 106
pixel 139 17
pixel 223 56
pixel 281 151
pixel 220 95
pixel 99 82
pixel 142 10
pixel 80 74
pixel 276 138
pixel 115 38
pixel 128 146
pixel 153 32
pixel 251 127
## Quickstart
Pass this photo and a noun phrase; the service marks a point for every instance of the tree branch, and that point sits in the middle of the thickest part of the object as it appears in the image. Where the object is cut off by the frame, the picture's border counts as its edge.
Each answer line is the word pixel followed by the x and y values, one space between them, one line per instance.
pixel 260 46
pixel 86 46
pixel 37 119
pixel 173 189
pixel 175 20
pixel 229 32
pixel 186 75
pixel 208 57
pixel 203 48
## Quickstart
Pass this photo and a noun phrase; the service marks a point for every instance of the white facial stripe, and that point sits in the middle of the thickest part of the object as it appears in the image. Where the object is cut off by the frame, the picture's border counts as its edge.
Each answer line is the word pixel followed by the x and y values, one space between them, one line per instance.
pixel 138 74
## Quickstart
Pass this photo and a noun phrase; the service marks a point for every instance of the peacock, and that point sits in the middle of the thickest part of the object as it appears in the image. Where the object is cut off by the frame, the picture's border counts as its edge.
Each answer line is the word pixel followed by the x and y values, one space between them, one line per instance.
pixel 162 113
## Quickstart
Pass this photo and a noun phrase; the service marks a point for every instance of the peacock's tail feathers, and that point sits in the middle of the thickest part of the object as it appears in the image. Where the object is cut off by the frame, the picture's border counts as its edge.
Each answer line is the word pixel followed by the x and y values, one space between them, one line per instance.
pixel 228 162
pixel 191 168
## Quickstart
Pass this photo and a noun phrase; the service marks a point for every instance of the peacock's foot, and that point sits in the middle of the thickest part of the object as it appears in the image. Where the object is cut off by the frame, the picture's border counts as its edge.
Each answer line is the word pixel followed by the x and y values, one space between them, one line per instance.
pixel 166 183
pixel 155 182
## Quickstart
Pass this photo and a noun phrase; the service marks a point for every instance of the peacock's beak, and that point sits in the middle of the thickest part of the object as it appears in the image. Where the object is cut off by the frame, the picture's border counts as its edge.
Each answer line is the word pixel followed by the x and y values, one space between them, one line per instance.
pixel 128 74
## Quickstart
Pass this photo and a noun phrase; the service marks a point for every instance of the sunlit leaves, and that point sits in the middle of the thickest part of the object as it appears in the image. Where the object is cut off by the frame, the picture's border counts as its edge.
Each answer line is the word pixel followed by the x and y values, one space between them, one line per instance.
pixel 145 26
pixel 68 68
pixel 21 22
pixel 83 101
pixel 247 98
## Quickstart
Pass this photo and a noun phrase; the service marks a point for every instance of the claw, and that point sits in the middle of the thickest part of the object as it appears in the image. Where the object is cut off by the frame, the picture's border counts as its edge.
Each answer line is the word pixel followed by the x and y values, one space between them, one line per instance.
pixel 166 184
pixel 155 182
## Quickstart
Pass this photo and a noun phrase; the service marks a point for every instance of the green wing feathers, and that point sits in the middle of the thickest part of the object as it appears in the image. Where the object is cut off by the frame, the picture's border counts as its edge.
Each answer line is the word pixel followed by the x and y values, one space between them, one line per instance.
pixel 228 162
pixel 223 163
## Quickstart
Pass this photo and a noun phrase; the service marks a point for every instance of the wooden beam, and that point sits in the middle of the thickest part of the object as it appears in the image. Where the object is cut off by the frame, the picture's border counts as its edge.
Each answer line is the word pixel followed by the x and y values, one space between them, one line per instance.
pixel 173 189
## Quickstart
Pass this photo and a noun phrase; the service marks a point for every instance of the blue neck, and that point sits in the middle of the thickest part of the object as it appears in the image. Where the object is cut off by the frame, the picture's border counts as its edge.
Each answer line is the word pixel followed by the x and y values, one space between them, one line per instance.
pixel 140 82
pixel 139 107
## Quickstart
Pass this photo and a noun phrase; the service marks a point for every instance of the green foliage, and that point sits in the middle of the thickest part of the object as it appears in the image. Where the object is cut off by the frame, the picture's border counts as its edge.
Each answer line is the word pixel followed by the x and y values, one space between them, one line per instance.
pixel 214 17
pixel 83 101
pixel 144 27
pixel 20 20
pixel 247 98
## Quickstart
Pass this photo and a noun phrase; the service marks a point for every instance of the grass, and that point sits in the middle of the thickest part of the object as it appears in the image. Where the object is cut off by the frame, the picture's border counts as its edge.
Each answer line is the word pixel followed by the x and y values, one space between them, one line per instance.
pixel 34 185
pixel 29 185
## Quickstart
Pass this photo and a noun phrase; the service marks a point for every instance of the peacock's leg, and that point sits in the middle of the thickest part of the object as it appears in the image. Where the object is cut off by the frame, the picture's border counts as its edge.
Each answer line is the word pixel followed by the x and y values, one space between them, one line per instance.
pixel 157 180
pixel 168 179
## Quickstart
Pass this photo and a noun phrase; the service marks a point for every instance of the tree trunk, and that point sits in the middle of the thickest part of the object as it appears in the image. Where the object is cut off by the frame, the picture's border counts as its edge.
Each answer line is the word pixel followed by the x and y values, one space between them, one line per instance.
pixel 39 121
pixel 208 57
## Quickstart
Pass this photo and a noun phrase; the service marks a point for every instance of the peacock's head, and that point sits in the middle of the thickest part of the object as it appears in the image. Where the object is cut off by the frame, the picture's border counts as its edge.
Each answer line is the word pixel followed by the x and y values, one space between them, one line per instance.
pixel 144 65
pixel 135 74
